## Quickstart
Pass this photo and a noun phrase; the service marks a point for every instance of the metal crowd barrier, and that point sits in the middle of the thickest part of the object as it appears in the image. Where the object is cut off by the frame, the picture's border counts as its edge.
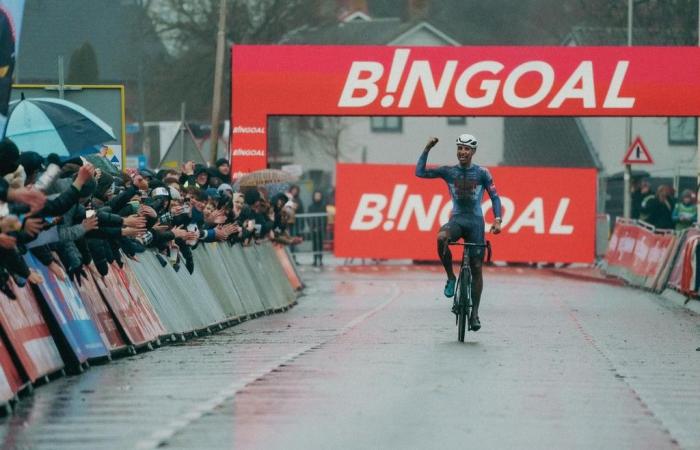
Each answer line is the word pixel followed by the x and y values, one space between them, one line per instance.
pixel 317 231
pixel 61 325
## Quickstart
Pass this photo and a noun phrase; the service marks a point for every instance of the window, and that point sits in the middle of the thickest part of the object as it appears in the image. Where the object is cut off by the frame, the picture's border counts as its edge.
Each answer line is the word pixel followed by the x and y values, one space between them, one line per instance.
pixel 386 124
pixel 456 121
pixel 682 130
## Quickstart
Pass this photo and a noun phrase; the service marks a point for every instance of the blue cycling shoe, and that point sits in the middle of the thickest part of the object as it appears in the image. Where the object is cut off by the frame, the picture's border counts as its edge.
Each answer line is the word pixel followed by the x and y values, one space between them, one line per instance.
pixel 450 287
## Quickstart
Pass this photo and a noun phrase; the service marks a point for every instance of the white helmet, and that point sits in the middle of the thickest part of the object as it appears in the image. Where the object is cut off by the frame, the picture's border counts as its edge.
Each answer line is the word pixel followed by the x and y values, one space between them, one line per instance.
pixel 467 140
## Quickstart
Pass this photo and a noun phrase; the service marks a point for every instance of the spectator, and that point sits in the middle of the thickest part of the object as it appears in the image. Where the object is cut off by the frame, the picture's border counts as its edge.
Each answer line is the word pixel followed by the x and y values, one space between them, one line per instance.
pixel 94 217
pixel 658 209
pixel 317 227
pixel 685 212
pixel 640 191
pixel 222 170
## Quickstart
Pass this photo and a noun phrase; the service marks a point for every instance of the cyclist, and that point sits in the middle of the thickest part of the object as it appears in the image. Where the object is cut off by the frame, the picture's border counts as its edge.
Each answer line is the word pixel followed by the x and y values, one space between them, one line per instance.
pixel 466 183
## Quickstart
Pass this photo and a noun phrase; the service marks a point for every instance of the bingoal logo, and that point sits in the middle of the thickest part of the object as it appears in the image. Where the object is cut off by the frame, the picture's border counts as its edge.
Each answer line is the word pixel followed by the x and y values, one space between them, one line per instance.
pixel 480 84
pixel 377 211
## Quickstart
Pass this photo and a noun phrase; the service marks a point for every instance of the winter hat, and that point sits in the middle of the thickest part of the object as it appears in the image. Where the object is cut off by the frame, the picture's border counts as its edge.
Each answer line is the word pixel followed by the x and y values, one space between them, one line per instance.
pixel 104 184
pixel 9 157
pixel 251 196
pixel 224 187
pixel 221 162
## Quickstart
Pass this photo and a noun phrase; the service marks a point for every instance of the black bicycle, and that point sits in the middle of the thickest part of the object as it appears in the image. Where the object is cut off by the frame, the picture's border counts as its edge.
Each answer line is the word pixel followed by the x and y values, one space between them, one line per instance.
pixel 462 304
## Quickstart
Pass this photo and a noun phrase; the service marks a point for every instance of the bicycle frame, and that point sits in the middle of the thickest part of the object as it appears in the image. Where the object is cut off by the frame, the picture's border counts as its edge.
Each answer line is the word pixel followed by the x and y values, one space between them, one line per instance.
pixel 463 300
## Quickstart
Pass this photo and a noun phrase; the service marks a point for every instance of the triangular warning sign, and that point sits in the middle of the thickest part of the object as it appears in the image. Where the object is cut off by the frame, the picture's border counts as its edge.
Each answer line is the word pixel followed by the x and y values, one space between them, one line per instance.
pixel 638 153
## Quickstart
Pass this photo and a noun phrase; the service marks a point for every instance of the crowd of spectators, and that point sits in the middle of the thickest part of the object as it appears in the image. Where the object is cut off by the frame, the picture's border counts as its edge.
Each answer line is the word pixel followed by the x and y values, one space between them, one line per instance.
pixel 74 216
pixel 661 208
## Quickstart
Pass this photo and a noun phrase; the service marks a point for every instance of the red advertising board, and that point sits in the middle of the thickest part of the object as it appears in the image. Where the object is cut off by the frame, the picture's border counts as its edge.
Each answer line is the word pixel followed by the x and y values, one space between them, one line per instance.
pixel 10 379
pixel 452 81
pixel 147 317
pixel 28 335
pixel 385 211
pixel 100 314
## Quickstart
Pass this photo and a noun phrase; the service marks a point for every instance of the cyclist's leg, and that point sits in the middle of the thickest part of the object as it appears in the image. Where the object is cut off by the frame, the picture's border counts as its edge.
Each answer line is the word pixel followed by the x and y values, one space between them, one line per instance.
pixel 475 234
pixel 449 232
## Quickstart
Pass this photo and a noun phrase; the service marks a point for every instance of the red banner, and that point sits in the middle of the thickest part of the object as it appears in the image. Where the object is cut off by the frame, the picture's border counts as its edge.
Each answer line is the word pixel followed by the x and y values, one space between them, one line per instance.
pixel 100 314
pixel 444 81
pixel 28 334
pixel 385 211
pixel 10 379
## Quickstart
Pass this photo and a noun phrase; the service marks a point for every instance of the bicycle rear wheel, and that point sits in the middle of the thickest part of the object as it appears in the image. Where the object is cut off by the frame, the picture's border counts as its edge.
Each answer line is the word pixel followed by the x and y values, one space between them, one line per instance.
pixel 463 303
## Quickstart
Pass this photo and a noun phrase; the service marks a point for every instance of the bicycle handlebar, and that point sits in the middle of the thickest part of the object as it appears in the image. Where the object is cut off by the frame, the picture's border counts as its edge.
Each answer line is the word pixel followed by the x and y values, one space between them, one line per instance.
pixel 487 246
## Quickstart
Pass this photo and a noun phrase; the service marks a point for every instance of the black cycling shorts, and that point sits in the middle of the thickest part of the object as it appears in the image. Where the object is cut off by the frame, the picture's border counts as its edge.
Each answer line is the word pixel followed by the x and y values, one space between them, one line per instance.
pixel 468 227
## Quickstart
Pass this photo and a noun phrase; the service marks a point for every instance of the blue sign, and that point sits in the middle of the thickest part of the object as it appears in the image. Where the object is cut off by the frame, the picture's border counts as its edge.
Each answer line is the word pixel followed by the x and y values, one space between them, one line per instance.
pixel 70 313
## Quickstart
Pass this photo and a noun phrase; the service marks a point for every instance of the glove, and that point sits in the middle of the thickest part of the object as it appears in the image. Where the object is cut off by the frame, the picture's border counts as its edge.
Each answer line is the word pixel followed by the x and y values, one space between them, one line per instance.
pixel 76 274
pixel 189 265
pixel 102 267
pixel 163 262
pixel 4 285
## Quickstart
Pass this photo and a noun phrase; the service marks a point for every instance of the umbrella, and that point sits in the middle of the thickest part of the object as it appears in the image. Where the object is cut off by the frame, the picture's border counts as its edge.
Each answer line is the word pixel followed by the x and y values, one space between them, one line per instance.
pixel 265 176
pixel 49 125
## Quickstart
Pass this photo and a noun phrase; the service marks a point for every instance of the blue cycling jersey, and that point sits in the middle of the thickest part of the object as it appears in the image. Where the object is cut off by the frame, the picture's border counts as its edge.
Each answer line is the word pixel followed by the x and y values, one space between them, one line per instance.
pixel 466 185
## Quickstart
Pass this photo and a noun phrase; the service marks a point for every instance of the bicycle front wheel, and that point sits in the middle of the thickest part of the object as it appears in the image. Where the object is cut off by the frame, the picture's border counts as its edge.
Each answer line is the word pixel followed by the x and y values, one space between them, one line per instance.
pixel 463 304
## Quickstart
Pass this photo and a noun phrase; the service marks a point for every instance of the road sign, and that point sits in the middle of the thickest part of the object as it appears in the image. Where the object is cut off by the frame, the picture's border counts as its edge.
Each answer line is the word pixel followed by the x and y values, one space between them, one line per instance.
pixel 638 153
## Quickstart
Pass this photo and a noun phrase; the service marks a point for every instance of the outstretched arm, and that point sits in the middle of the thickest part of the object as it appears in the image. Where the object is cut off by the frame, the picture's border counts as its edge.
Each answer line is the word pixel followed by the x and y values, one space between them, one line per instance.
pixel 421 170
pixel 495 201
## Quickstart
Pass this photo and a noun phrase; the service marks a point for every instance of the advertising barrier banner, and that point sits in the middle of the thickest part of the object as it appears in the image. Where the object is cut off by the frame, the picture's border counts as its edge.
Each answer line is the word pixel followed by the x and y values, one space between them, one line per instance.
pixel 385 211
pixel 27 333
pixel 640 255
pixel 147 317
pixel 10 379
pixel 125 311
pixel 451 81
pixel 101 316
pixel 70 313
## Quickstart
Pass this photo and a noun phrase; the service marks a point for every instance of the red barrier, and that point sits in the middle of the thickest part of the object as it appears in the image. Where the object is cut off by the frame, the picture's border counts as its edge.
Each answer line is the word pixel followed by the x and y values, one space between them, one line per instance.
pixel 638 254
pixel 10 379
pixel 287 266
pixel 148 319
pixel 28 336
pixel 101 316
pixel 117 297
pixel 684 276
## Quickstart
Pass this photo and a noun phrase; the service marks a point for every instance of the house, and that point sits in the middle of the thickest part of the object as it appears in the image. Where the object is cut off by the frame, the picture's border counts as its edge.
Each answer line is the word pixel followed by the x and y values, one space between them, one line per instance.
pixel 317 143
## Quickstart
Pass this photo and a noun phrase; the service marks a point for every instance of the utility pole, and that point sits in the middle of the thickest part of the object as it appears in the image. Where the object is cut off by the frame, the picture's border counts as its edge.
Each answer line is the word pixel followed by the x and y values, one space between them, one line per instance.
pixel 627 204
pixel 218 75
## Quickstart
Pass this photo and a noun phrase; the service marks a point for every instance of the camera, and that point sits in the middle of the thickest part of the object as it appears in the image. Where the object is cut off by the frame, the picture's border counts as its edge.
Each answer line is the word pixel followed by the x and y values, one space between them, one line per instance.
pixel 147 238
pixel 166 218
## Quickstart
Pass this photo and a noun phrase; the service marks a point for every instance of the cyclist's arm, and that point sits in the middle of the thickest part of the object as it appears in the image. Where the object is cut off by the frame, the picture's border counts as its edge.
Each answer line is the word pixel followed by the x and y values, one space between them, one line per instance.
pixel 424 172
pixel 493 194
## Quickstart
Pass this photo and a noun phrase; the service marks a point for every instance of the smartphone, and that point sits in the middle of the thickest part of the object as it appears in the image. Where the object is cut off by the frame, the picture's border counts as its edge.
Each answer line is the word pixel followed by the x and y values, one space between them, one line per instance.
pixel 47 178
pixel 89 213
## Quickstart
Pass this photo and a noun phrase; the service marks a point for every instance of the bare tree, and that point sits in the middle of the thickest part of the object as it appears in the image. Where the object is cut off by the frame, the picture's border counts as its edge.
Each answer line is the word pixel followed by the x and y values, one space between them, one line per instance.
pixel 189 29
pixel 320 132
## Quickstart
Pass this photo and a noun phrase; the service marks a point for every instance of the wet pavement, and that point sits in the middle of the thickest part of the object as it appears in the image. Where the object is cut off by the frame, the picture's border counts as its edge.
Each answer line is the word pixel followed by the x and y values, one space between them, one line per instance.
pixel 369 359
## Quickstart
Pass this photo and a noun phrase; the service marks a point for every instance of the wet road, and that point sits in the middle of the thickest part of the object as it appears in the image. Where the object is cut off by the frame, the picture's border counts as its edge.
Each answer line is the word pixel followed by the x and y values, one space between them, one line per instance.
pixel 369 359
